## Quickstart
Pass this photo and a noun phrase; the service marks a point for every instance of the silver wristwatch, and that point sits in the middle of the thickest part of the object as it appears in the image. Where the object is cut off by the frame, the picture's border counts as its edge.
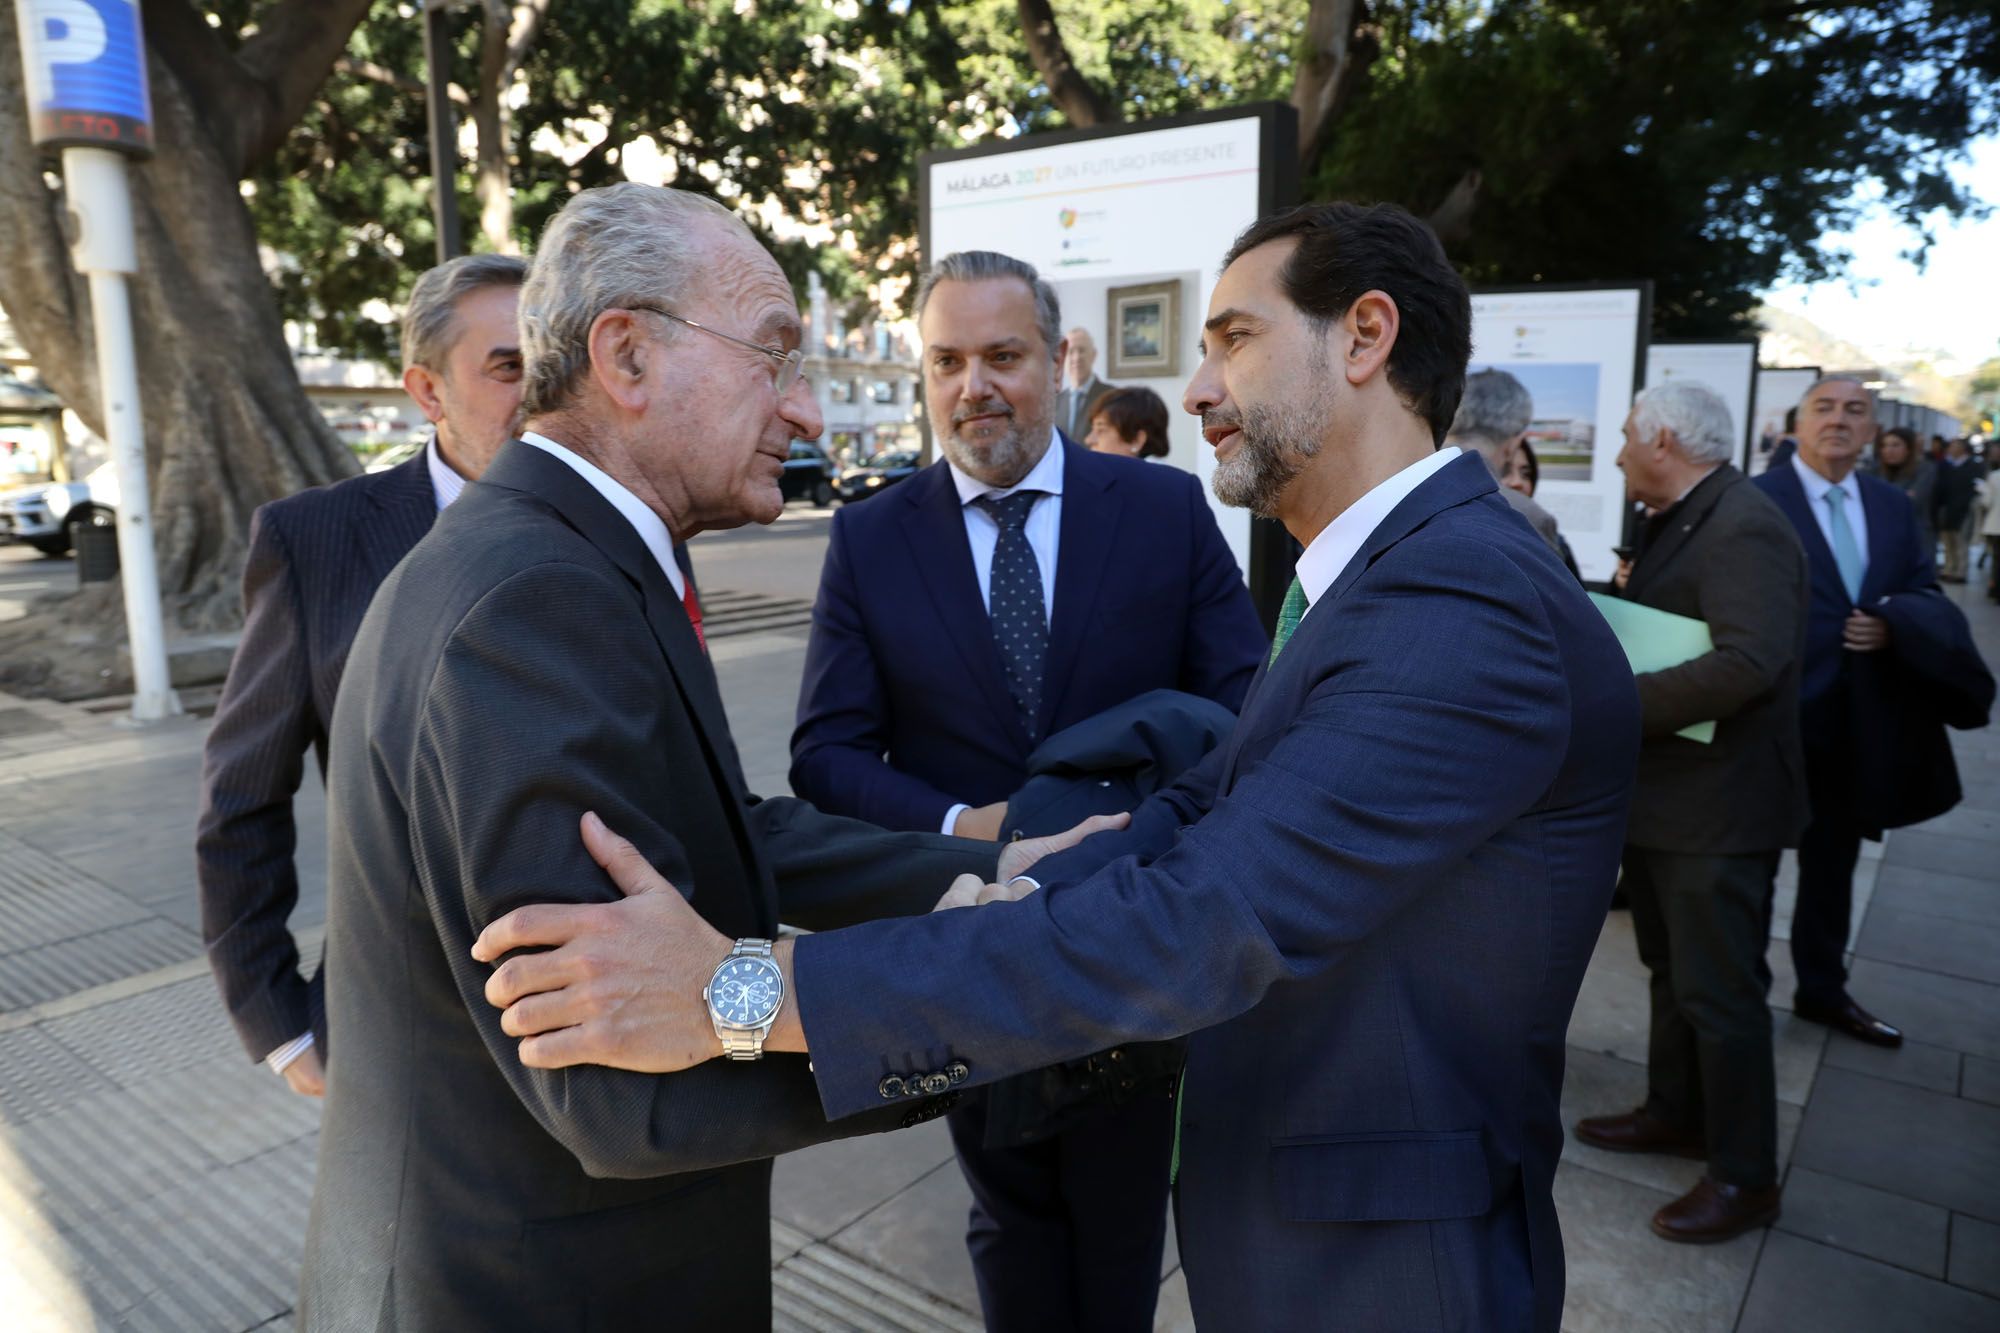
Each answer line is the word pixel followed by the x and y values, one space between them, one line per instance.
pixel 744 996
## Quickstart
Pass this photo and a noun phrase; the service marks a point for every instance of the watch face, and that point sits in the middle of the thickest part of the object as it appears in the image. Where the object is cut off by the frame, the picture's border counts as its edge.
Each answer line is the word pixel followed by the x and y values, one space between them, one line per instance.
pixel 745 991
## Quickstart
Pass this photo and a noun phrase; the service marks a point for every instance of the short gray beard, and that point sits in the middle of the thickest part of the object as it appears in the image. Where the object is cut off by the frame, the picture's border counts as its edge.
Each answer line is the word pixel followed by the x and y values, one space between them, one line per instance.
pixel 1005 461
pixel 1275 442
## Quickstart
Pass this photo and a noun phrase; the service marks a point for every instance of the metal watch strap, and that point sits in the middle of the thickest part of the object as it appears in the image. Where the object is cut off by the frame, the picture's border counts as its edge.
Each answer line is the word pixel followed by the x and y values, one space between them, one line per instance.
pixel 737 1044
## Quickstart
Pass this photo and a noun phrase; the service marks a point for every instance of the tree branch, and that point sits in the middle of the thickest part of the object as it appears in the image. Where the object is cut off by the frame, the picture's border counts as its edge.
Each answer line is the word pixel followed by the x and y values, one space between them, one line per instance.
pixel 1452 219
pixel 288 58
pixel 521 35
pixel 1341 43
pixel 371 72
pixel 1074 95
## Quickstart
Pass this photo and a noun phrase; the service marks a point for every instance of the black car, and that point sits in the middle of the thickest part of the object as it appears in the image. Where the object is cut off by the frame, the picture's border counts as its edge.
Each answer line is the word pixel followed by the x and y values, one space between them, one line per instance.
pixel 809 475
pixel 883 470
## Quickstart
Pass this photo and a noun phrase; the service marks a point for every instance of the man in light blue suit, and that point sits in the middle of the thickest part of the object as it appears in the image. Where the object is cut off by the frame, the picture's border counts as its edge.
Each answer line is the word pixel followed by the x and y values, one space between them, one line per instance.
pixel 1372 907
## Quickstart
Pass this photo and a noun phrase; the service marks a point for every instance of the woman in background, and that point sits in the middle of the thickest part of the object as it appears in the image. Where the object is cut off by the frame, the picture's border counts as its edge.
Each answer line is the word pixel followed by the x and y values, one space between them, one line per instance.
pixel 1130 421
pixel 1899 462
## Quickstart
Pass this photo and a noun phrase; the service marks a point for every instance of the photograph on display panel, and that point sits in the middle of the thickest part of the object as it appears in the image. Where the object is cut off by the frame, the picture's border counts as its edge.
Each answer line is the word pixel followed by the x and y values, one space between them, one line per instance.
pixel 1143 330
pixel 1563 429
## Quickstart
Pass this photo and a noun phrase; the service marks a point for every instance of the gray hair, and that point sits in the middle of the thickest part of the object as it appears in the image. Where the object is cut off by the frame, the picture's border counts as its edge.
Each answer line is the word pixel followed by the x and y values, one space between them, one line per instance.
pixel 1841 377
pixel 987 265
pixel 1494 409
pixel 1695 414
pixel 608 247
pixel 430 322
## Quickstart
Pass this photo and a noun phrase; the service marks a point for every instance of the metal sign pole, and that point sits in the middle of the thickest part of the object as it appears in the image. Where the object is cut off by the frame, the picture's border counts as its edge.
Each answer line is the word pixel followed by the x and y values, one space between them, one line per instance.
pixel 444 129
pixel 85 62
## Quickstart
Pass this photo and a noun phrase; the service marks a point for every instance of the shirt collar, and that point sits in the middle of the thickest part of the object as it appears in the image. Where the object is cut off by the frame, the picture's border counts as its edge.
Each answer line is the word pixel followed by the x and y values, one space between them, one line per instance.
pixel 652 529
pixel 1046 475
pixel 446 484
pixel 1817 486
pixel 1339 541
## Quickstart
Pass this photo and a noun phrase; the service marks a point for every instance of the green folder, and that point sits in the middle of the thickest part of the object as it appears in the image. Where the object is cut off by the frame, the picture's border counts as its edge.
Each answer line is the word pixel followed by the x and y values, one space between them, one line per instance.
pixel 1655 640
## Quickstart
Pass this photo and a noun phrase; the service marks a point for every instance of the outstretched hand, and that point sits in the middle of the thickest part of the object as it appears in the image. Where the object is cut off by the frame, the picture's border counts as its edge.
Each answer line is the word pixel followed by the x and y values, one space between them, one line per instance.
pixel 1017 857
pixel 621 982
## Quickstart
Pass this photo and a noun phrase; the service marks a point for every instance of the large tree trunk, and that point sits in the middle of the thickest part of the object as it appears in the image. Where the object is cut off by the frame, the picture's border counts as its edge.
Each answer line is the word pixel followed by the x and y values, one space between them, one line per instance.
pixel 506 36
pixel 1341 42
pixel 227 423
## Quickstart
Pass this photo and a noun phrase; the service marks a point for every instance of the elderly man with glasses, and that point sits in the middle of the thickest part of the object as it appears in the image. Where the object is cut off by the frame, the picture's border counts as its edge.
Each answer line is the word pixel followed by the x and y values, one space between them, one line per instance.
pixel 535 658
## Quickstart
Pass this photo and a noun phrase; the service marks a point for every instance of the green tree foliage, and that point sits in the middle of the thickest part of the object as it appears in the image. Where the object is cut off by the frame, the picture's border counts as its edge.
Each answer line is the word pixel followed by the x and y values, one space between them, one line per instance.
pixel 1706 144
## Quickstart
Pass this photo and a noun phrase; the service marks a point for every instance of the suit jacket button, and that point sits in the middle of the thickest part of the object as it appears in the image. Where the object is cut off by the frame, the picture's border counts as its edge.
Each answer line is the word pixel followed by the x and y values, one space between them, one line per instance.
pixel 891 1088
pixel 957 1071
pixel 935 1083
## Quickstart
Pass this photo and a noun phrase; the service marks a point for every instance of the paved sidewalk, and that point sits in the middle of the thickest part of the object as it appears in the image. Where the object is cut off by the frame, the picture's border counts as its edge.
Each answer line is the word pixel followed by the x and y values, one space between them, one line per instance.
pixel 152 1178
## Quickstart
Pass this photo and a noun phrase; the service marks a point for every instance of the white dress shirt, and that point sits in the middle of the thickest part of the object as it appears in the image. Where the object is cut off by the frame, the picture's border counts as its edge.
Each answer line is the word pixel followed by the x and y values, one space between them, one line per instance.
pixel 1043 530
pixel 1340 541
pixel 1816 489
pixel 446 484
pixel 652 529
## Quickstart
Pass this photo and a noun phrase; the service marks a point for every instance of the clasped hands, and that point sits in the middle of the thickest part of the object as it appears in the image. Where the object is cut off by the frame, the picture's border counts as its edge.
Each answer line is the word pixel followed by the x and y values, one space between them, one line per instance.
pixel 620 983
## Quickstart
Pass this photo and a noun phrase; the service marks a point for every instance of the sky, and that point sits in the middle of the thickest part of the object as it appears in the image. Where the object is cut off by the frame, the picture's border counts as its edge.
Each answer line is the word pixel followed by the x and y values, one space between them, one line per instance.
pixel 1952 304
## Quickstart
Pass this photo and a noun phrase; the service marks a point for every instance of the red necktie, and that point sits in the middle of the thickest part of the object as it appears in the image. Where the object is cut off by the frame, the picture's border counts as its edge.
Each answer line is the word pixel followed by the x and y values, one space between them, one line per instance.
pixel 693 605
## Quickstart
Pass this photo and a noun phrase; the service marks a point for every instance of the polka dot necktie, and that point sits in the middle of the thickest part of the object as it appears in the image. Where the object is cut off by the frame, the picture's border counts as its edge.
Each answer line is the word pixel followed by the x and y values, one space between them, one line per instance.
pixel 1015 601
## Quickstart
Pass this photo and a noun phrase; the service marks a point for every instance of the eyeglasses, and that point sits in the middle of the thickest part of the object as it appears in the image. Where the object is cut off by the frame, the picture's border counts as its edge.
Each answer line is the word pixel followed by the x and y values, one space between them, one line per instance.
pixel 789 363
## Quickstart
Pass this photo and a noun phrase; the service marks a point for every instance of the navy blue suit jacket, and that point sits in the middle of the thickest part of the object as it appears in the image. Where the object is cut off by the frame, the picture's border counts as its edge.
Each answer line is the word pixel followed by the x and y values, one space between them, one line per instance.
pixel 1898 561
pixel 1373 907
pixel 902 661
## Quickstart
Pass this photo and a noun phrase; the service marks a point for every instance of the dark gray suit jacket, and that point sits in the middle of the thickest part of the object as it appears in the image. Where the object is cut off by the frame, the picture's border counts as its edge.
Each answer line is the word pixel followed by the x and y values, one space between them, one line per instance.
pixel 1728 556
pixel 315 560
pixel 529 661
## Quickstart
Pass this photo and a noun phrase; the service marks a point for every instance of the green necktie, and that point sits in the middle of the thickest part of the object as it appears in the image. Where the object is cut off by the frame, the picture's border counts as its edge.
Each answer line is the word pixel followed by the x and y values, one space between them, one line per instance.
pixel 1846 551
pixel 1289 615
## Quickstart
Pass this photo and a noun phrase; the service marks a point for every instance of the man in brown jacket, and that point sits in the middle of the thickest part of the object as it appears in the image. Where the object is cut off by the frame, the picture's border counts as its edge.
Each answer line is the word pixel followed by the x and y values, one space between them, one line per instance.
pixel 1709 821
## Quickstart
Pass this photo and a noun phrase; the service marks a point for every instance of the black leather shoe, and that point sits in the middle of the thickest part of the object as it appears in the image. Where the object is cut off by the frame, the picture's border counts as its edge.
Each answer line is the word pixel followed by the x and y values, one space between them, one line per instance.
pixel 1850 1018
pixel 1713 1211
pixel 1636 1131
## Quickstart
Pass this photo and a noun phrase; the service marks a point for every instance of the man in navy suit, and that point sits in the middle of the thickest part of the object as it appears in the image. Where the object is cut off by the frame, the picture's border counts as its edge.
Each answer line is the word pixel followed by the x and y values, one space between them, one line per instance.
pixel 1008 592
pixel 1863 544
pixel 315 561
pixel 1373 906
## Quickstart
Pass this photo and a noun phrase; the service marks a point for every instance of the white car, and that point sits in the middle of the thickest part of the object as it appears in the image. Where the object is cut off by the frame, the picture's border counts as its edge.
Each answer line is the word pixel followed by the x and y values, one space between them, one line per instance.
pixel 47 515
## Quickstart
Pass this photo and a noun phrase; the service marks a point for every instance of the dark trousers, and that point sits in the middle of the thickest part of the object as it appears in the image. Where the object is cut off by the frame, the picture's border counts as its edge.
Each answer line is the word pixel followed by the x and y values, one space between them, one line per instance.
pixel 1824 913
pixel 1702 924
pixel 1066 1235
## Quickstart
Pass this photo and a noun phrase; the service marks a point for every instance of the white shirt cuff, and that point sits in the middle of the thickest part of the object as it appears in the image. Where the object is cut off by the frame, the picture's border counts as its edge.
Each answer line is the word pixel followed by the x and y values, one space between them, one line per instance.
pixel 951 817
pixel 290 1051
pixel 1028 880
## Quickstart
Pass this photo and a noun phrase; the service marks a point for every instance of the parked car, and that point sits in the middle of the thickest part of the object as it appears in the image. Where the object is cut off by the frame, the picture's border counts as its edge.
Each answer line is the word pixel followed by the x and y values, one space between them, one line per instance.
pixel 878 473
pixel 809 474
pixel 46 516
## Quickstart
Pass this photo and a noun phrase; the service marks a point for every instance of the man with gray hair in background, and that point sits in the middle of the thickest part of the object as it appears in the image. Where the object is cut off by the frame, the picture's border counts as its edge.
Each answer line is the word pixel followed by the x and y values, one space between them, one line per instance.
pixel 537 663
pixel 1493 418
pixel 315 560
pixel 1700 859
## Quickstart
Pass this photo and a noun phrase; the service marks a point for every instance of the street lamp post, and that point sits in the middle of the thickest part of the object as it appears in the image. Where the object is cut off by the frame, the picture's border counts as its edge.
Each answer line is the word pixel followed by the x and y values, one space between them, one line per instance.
pixel 85 62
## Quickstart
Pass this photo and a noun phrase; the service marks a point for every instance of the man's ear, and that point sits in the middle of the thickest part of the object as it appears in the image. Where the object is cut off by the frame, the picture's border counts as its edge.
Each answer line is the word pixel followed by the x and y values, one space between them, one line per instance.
pixel 617 358
pixel 1371 324
pixel 421 383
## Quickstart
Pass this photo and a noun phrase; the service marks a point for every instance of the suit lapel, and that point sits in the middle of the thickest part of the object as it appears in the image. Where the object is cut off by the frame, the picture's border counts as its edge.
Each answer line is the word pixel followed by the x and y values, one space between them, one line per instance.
pixel 1875 503
pixel 934 526
pixel 1091 508
pixel 1694 511
pixel 406 506
pixel 1464 478
pixel 1791 497
pixel 523 467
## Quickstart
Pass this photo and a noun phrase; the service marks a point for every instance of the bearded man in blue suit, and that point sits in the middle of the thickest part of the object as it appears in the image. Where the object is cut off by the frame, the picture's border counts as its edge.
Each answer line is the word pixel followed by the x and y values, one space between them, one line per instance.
pixel 1372 906
pixel 1017 587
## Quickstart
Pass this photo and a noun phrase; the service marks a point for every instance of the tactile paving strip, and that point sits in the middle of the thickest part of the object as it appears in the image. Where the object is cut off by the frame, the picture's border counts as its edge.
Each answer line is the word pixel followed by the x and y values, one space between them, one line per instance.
pixel 140 1036
pixel 64 967
pixel 43 898
pixel 39 1075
